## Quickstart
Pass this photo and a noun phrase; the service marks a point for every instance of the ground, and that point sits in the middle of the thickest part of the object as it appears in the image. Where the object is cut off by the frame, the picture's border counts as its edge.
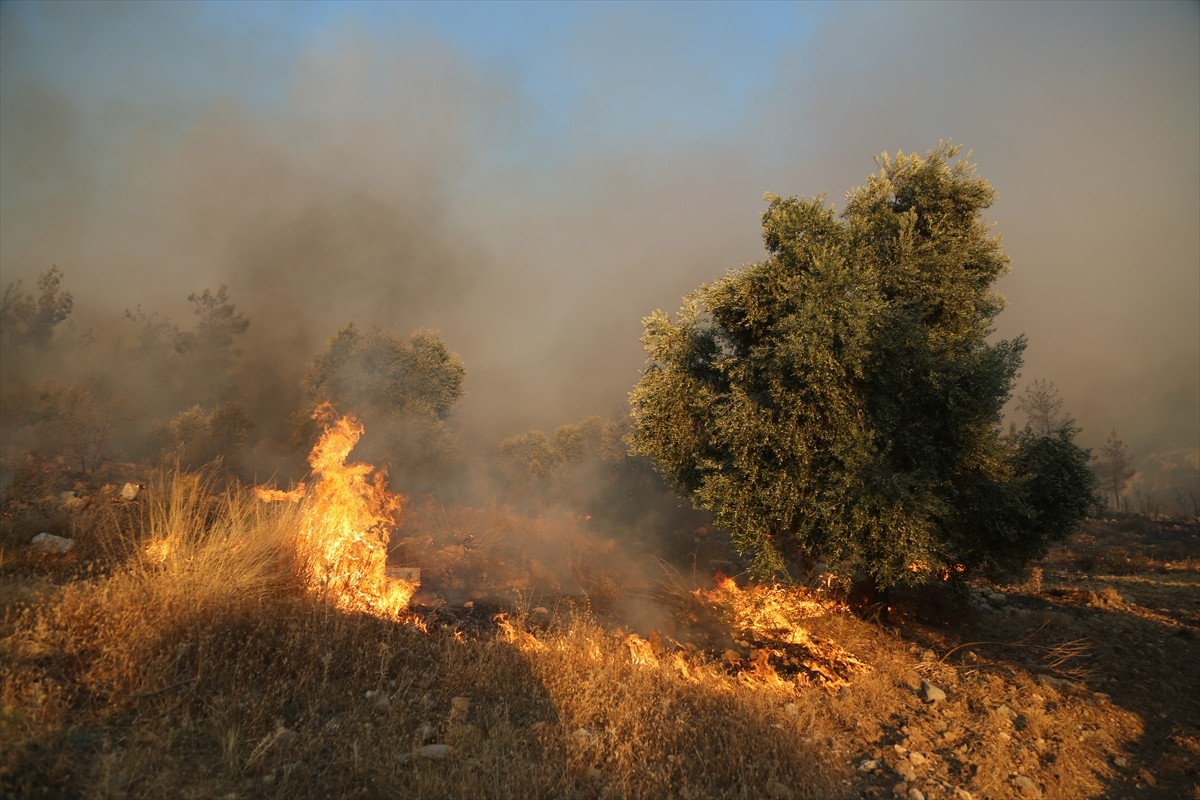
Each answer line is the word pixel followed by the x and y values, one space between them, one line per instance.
pixel 1075 681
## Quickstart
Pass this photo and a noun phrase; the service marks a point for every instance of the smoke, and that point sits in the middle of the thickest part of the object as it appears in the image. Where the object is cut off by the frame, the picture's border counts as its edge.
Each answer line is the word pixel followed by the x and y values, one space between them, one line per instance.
pixel 534 201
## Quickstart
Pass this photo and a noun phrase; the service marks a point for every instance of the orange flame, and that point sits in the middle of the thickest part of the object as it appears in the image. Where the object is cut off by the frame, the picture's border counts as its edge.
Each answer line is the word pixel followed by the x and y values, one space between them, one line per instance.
pixel 346 522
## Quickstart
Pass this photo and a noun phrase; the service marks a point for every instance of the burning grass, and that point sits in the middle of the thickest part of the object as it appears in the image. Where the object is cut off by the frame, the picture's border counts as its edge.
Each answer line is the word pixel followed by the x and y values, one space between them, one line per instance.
pixel 208 644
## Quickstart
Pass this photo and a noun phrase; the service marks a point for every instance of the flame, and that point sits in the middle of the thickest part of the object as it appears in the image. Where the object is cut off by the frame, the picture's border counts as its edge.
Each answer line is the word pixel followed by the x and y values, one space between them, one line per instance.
pixel 346 520
pixel 776 649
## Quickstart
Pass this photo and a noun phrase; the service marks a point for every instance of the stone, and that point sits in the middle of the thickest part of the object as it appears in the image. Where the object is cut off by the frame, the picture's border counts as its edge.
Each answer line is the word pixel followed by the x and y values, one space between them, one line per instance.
pixel 931 693
pixel 915 794
pixel 434 752
pixel 868 765
pixel 1027 787
pixel 963 794
pixel 917 759
pixel 70 500
pixel 905 770
pixel 1121 761
pixel 130 491
pixel 49 543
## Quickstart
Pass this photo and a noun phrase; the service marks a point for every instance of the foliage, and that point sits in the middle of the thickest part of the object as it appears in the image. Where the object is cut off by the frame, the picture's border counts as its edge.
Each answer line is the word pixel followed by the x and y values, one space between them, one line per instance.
pixel 843 399
pixel 1114 467
pixel 78 419
pixel 1042 407
pixel 194 366
pixel 403 391
pixel 29 320
pixel 195 437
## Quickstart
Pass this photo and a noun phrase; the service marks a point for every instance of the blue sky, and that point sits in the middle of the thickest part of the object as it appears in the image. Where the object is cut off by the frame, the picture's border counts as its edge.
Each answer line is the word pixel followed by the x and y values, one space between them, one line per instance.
pixel 534 178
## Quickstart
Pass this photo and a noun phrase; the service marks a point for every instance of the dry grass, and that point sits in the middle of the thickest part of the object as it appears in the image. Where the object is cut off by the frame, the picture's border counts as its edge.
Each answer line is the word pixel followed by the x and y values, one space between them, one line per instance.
pixel 177 654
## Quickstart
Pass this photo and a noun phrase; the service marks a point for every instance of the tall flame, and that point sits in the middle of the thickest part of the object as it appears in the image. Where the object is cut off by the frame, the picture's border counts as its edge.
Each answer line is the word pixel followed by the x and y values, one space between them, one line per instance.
pixel 346 521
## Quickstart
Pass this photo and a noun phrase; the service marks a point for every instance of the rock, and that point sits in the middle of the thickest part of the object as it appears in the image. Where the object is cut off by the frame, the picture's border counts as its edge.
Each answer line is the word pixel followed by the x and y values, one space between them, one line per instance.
pixel 130 491
pixel 434 752
pixel 70 500
pixel 963 794
pixel 931 693
pixel 1121 761
pixel 1147 777
pixel 1027 787
pixel 285 737
pixel 777 791
pixel 900 790
pixel 917 759
pixel 49 543
pixel 1058 683
pixel 915 794
pixel 905 770
pixel 868 765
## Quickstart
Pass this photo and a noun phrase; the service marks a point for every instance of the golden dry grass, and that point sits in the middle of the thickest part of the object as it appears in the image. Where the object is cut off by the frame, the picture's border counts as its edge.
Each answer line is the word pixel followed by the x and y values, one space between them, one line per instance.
pixel 184 658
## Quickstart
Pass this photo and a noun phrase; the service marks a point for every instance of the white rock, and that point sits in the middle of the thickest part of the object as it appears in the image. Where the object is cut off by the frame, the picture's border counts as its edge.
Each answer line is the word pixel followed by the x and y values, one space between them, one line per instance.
pixel 49 543
pixel 932 693
pixel 434 752
pixel 130 491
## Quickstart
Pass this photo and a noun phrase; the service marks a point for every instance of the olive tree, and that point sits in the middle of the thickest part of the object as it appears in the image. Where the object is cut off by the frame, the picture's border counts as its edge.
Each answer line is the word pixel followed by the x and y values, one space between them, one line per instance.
pixel 403 390
pixel 843 398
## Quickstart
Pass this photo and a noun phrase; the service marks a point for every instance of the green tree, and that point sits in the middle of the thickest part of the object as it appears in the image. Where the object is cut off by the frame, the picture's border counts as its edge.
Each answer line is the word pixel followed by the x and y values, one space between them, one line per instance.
pixel 843 398
pixel 402 390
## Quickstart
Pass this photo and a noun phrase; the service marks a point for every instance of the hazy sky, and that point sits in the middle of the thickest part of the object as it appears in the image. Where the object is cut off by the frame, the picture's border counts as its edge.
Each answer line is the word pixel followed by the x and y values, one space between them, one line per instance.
pixel 533 179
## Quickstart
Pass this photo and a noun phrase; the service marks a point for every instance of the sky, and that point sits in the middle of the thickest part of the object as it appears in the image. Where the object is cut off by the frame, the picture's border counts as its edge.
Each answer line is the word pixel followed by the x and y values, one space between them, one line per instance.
pixel 533 179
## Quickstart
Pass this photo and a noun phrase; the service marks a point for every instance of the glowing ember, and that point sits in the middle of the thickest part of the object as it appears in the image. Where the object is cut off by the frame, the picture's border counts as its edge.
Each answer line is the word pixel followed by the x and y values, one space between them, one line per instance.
pixel 346 522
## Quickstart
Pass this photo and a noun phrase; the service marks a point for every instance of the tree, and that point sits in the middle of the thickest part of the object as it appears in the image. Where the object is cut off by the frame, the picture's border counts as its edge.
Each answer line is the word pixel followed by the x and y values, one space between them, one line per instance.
pixel 1114 467
pixel 25 319
pixel 78 420
pixel 843 399
pixel 190 366
pixel 1042 407
pixel 403 391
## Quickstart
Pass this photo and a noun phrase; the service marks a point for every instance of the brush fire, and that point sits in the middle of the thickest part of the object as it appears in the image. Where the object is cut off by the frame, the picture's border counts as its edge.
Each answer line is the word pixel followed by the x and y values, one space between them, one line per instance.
pixel 754 633
pixel 347 516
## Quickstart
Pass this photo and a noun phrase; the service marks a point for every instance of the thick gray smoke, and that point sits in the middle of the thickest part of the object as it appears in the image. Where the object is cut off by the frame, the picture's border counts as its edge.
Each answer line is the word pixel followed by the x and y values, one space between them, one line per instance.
pixel 385 174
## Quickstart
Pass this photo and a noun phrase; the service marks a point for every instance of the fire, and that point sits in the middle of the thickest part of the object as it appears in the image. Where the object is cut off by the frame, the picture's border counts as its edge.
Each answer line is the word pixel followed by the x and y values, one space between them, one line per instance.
pixel 346 521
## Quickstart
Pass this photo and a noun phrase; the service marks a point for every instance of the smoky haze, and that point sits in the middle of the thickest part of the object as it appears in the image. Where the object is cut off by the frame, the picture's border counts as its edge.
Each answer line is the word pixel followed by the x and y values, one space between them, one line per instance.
pixel 384 174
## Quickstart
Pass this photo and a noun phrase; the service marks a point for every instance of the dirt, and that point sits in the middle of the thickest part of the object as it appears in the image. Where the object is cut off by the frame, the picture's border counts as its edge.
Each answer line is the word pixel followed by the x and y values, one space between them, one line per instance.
pixel 1103 637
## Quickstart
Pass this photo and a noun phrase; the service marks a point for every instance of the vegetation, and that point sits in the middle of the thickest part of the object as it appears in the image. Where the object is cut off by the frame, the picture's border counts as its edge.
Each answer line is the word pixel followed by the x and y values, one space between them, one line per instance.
pixel 1114 468
pixel 402 390
pixel 175 652
pixel 571 636
pixel 842 400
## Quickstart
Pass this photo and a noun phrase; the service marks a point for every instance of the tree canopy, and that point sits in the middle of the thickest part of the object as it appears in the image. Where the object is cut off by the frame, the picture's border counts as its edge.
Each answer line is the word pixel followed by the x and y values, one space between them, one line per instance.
pixel 843 398
pixel 402 390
